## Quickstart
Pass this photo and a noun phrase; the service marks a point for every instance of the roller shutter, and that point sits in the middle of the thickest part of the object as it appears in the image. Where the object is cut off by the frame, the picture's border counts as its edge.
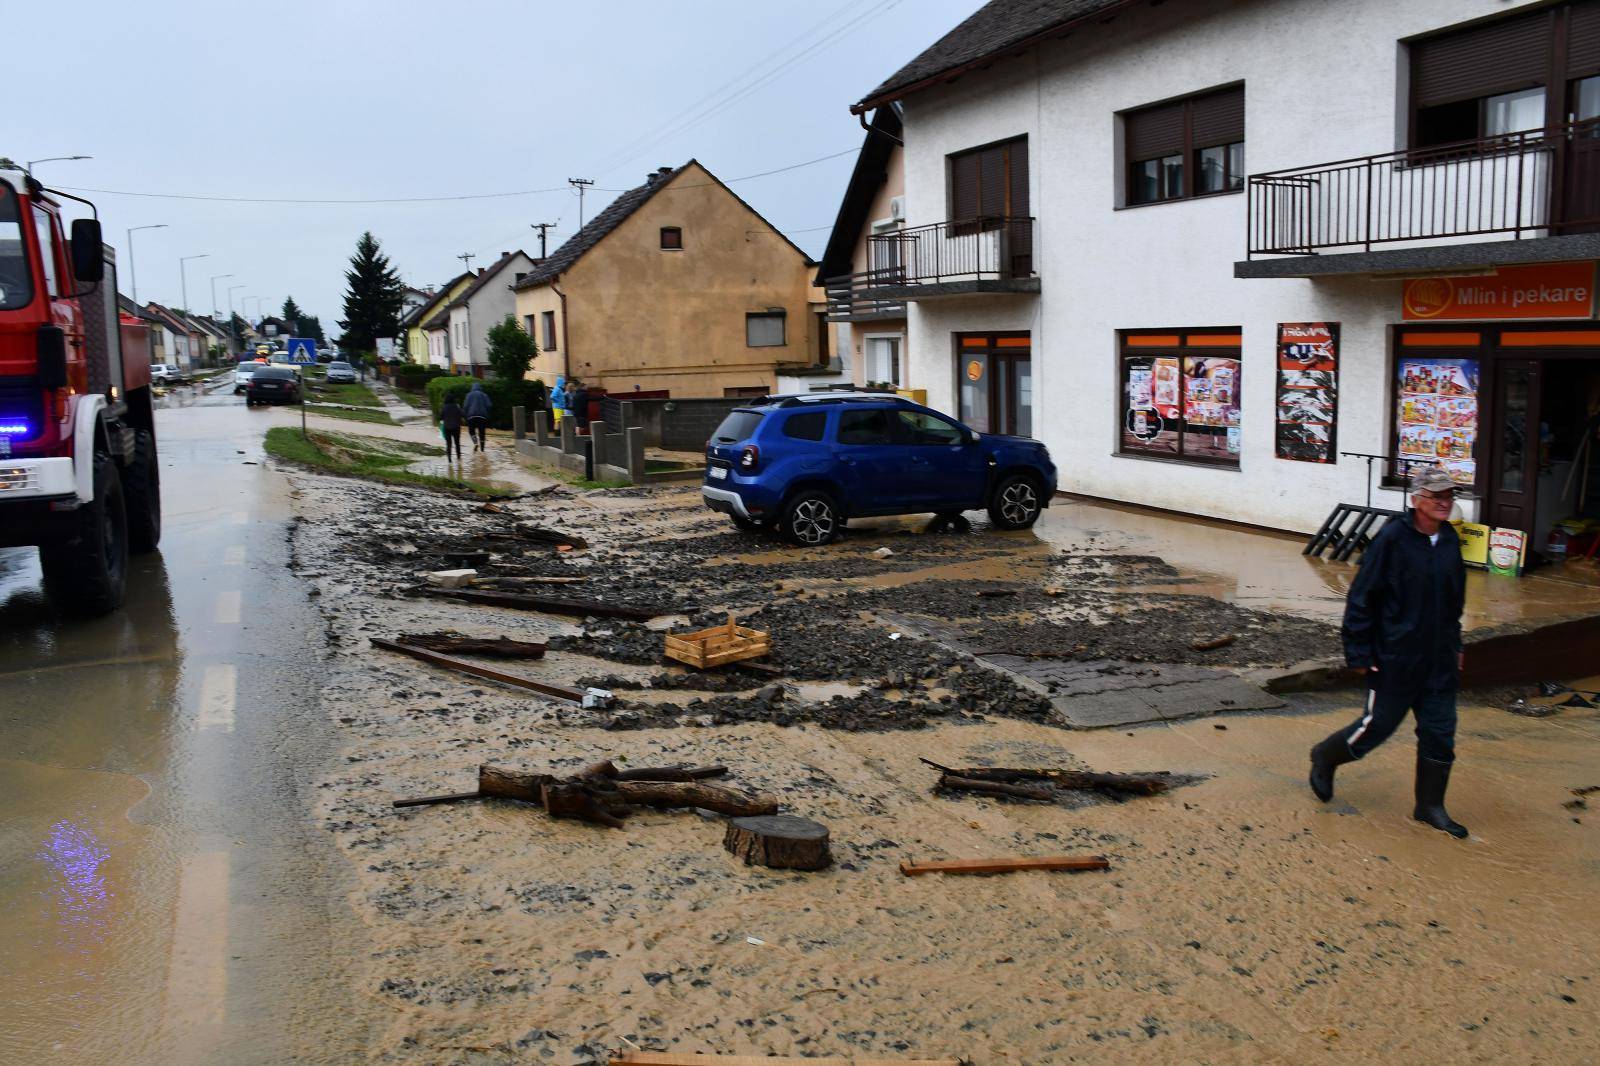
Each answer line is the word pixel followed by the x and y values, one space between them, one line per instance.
pixel 1494 58
pixel 1154 131
pixel 1217 118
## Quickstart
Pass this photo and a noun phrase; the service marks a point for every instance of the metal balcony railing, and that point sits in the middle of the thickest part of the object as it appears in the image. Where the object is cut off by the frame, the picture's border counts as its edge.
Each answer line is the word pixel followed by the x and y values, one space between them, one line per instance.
pixel 1530 184
pixel 980 249
pixel 851 296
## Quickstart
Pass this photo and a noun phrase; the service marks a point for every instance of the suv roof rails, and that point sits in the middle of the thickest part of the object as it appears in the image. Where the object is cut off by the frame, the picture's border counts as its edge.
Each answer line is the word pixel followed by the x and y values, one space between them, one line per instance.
pixel 816 398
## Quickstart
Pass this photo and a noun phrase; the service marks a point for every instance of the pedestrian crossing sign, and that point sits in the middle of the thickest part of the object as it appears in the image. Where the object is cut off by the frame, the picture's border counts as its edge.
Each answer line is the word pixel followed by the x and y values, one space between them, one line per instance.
pixel 302 350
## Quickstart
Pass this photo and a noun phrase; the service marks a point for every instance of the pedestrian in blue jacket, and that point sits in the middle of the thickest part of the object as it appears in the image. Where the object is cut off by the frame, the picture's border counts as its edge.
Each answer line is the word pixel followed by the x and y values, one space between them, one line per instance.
pixel 477 407
pixel 1402 626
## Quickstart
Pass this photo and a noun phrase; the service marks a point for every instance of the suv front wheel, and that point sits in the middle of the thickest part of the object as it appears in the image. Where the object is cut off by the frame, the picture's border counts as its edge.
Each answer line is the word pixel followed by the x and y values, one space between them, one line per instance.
pixel 1015 503
pixel 810 518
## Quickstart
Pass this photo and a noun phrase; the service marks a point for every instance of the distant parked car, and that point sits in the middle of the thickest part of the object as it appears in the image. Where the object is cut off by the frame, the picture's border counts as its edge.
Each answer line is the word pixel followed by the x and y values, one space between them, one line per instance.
pixel 339 371
pixel 804 465
pixel 165 373
pixel 272 384
pixel 242 374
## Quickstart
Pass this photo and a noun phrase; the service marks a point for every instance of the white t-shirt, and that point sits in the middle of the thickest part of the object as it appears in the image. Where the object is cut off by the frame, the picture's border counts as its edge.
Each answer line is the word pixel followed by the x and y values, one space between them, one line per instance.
pixel 1433 538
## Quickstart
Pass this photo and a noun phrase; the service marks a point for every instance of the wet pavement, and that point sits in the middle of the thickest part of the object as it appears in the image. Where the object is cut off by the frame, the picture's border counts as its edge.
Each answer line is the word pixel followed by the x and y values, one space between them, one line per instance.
pixel 164 895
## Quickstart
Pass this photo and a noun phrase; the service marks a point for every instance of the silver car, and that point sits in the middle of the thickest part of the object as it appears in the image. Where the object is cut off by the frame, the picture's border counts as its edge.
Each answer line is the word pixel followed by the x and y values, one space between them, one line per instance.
pixel 242 375
pixel 340 371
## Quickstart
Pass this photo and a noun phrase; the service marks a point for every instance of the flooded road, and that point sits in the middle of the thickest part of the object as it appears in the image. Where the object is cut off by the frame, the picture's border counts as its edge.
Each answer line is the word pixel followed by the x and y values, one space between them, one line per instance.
pixel 164 892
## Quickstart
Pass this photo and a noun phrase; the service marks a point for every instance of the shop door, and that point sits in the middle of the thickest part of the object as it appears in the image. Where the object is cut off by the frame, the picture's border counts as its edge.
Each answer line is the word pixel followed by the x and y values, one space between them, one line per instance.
pixel 1514 447
pixel 996 383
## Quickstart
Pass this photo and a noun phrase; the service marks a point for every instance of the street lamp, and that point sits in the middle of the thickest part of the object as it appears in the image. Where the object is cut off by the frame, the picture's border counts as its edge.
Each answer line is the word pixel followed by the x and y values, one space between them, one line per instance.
pixel 238 341
pixel 183 274
pixel 53 159
pixel 133 275
pixel 214 278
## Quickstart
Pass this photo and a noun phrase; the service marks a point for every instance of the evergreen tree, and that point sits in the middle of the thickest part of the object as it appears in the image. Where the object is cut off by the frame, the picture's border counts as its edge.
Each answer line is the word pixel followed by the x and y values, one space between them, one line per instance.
pixel 291 312
pixel 240 328
pixel 511 350
pixel 373 299
pixel 302 322
pixel 311 326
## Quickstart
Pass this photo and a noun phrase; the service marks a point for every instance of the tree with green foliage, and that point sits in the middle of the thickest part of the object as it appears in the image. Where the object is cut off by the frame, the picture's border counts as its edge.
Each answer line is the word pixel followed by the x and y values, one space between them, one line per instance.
pixel 301 321
pixel 511 350
pixel 373 299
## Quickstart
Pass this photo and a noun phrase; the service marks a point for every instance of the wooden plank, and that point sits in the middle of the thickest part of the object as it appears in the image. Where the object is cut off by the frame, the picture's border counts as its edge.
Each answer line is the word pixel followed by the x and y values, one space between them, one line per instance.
pixel 558 691
pixel 1002 865
pixel 679 1058
pixel 524 602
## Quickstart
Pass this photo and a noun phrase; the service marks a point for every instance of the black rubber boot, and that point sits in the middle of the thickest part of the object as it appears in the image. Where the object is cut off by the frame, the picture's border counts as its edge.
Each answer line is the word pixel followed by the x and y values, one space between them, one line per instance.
pixel 1327 757
pixel 1433 777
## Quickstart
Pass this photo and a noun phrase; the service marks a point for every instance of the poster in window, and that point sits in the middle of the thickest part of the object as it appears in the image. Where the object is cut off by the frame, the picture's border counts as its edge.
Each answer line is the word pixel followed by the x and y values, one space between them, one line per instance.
pixel 1211 407
pixel 1436 416
pixel 1148 424
pixel 1308 391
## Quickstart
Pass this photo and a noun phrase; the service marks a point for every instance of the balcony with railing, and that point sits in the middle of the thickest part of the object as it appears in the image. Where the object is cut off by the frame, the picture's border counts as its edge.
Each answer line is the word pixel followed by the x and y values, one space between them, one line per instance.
pixel 980 255
pixel 855 297
pixel 1522 197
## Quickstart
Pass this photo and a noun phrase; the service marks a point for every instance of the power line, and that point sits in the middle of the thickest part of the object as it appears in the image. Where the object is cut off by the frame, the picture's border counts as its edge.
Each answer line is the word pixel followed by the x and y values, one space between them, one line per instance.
pixel 282 200
pixel 763 174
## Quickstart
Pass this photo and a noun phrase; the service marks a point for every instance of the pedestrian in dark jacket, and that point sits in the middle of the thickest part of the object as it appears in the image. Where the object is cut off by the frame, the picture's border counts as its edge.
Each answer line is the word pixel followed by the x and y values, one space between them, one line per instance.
pixel 580 406
pixel 1402 626
pixel 477 408
pixel 450 416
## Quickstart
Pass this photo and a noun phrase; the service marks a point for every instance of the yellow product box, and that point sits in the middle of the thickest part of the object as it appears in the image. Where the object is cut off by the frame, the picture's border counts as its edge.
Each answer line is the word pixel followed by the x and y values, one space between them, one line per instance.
pixel 1474 543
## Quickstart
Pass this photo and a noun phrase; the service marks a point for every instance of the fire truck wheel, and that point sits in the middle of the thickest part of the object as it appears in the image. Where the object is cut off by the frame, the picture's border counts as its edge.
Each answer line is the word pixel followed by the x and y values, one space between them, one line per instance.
pixel 141 486
pixel 86 572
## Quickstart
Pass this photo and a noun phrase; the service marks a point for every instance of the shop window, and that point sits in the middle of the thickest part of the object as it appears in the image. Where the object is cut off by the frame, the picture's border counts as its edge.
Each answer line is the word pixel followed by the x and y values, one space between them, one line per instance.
pixel 1180 394
pixel 1189 147
pixel 671 239
pixel 1436 416
pixel 764 329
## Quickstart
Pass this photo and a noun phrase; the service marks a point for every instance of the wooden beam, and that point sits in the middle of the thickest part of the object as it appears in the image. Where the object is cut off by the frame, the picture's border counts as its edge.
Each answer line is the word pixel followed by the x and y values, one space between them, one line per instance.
pixel 678 1058
pixel 524 602
pixel 1000 866
pixel 560 692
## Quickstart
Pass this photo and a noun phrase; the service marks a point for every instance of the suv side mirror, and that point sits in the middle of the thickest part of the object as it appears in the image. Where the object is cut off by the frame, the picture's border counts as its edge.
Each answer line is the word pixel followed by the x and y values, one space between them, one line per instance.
pixel 88 259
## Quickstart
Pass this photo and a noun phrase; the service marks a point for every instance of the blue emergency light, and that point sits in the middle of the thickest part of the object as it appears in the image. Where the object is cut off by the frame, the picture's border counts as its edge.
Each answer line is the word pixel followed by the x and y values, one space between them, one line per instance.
pixel 15 429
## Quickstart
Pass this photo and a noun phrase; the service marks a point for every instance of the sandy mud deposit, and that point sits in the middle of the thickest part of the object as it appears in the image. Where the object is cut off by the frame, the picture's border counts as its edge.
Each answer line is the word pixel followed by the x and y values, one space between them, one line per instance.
pixel 1238 920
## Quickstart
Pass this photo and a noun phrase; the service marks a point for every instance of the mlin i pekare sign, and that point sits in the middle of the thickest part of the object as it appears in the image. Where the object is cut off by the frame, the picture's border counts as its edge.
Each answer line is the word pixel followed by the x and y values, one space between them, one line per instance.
pixel 1546 290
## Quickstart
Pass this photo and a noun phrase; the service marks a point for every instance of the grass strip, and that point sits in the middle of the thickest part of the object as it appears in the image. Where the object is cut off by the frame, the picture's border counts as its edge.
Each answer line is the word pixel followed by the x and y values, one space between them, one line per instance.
pixel 369 458
pixel 349 392
pixel 360 414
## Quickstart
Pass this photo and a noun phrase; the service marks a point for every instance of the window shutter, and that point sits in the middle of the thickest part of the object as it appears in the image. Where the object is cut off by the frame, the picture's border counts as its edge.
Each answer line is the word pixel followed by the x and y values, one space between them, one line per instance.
pixel 964 186
pixel 1154 131
pixel 1217 118
pixel 1498 57
pixel 1583 40
pixel 1017 206
pixel 992 182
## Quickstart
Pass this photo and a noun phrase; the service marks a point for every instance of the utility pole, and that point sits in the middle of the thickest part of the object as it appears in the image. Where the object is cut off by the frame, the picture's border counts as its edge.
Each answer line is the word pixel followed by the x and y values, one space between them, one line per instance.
pixel 183 273
pixel 543 228
pixel 214 279
pixel 467 258
pixel 580 184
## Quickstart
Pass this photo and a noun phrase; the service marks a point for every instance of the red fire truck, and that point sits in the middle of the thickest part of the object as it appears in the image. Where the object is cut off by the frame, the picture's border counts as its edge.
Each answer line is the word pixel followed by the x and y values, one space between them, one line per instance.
pixel 78 473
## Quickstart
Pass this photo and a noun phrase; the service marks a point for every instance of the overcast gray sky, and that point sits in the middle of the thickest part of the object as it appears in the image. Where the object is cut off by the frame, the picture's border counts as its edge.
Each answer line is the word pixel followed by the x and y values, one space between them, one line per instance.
pixel 354 99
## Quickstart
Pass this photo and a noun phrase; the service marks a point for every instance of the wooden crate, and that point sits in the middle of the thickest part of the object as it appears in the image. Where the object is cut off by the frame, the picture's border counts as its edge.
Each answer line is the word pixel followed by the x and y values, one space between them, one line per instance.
pixel 718 646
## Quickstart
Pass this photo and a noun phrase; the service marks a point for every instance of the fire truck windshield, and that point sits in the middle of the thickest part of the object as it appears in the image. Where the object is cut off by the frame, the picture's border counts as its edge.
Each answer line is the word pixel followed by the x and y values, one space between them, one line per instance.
pixel 15 290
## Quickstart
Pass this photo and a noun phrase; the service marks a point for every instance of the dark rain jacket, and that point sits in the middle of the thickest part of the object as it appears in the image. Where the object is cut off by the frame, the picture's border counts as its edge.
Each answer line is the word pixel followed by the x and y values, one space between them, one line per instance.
pixel 450 415
pixel 477 403
pixel 1403 613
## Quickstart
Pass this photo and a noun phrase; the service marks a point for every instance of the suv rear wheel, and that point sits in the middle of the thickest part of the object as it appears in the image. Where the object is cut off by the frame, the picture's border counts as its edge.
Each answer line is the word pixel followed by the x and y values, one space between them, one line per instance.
pixel 1015 503
pixel 810 518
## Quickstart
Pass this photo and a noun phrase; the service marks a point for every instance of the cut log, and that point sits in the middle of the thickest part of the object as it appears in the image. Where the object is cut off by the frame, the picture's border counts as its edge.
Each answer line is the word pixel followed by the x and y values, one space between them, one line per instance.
pixel 1215 643
pixel 694 794
pixel 498 648
pixel 507 783
pixel 1000 866
pixel 997 788
pixel 576 695
pixel 524 602
pixel 780 841
pixel 1144 784
pixel 576 801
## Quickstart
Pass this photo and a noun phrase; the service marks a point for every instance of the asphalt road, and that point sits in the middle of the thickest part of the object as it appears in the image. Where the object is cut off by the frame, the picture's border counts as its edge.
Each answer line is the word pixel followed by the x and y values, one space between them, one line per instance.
pixel 164 893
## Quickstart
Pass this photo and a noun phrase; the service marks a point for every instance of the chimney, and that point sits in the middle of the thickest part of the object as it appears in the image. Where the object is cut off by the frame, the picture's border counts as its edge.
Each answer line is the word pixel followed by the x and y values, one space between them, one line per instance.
pixel 503 255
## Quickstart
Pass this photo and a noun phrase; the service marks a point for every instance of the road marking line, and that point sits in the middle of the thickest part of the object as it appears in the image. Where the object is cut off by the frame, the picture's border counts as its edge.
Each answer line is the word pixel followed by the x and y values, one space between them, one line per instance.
pixel 234 556
pixel 218 691
pixel 197 961
pixel 228 608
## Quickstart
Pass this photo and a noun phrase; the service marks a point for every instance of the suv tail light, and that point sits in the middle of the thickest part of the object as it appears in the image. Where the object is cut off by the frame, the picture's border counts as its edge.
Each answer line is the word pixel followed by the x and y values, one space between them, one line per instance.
pixel 749 457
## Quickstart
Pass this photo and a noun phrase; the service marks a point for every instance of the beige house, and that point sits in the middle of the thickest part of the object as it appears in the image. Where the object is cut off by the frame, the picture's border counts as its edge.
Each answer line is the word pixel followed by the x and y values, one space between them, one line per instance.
pixel 678 288
pixel 874 336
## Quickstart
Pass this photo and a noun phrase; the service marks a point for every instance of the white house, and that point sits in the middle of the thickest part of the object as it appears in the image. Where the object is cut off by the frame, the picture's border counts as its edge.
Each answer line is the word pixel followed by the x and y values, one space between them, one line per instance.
pixel 1406 268
pixel 478 308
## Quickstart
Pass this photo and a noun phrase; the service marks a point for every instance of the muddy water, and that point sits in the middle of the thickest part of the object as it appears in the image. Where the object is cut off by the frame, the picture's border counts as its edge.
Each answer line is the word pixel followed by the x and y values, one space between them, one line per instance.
pixel 163 895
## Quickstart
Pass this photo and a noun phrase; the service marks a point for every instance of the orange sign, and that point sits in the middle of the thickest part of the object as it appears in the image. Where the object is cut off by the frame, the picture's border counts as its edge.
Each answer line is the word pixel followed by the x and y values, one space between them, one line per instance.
pixel 974 370
pixel 1547 290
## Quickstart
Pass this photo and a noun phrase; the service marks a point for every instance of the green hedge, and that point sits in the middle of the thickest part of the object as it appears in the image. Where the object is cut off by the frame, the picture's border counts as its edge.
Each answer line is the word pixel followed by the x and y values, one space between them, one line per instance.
pixel 415 377
pixel 503 394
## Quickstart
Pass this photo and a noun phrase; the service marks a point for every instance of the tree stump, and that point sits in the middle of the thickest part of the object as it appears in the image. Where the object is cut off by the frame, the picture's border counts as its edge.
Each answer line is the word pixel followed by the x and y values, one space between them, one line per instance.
pixel 779 841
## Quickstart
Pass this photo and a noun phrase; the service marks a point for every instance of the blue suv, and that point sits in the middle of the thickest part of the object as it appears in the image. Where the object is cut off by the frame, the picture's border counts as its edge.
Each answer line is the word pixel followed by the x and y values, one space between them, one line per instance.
pixel 804 465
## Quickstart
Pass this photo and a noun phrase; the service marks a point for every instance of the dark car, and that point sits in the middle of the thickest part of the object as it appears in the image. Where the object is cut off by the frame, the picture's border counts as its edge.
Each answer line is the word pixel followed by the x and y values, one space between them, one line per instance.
pixel 804 465
pixel 272 384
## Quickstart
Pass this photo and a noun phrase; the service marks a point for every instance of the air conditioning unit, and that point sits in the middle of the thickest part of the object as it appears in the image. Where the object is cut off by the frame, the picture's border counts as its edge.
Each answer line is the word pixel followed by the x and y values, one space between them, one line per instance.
pixel 897 208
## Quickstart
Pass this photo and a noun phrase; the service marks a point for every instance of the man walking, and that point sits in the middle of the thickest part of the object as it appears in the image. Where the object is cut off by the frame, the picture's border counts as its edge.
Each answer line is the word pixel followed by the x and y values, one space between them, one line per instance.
pixel 450 416
pixel 1402 625
pixel 477 407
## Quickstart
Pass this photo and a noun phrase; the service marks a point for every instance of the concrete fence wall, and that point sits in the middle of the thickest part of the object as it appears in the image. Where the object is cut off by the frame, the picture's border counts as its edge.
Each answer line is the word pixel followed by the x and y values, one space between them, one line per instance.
pixel 686 427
